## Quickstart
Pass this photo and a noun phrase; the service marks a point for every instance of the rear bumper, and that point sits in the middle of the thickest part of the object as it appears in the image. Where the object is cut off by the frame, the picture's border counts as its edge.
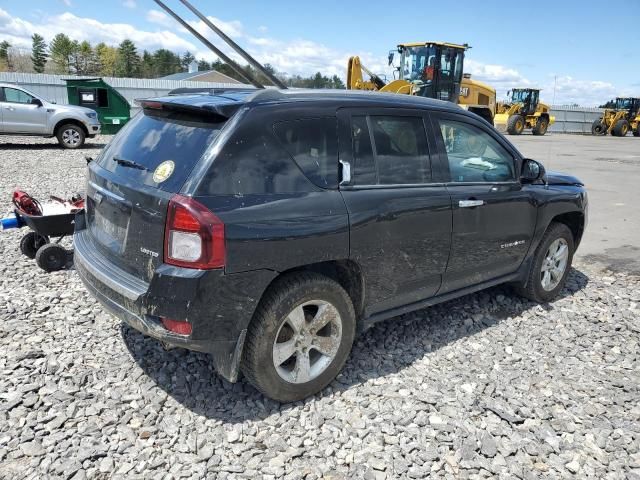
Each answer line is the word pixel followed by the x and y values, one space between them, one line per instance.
pixel 218 306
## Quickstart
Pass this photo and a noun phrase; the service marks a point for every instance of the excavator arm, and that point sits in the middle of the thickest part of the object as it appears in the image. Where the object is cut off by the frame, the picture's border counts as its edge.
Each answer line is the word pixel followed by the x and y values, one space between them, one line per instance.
pixel 356 81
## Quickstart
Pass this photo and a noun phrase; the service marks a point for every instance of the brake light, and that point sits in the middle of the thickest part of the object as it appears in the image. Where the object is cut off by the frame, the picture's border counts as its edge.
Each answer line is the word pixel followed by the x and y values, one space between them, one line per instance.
pixel 176 326
pixel 193 235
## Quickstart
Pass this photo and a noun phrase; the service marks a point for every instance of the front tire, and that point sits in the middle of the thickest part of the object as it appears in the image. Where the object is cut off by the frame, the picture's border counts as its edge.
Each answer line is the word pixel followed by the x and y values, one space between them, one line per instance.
pixel 70 136
pixel 550 266
pixel 300 337
pixel 541 126
pixel 515 124
pixel 51 257
pixel 636 132
pixel 621 128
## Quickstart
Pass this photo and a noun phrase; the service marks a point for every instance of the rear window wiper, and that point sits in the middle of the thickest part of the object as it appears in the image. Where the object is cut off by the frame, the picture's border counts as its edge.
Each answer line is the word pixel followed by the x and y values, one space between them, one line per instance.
pixel 128 163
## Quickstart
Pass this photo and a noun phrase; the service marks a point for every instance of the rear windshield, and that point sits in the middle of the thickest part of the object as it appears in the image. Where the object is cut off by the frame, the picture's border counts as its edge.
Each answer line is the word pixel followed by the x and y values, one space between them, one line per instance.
pixel 159 150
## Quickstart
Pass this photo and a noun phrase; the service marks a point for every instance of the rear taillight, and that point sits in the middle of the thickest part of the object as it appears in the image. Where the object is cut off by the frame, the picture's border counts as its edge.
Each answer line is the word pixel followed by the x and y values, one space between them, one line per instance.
pixel 177 326
pixel 193 235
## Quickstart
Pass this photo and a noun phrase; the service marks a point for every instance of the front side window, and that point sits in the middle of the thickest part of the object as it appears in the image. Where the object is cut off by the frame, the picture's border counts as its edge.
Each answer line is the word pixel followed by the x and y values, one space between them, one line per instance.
pixel 13 95
pixel 474 155
pixel 390 150
pixel 313 145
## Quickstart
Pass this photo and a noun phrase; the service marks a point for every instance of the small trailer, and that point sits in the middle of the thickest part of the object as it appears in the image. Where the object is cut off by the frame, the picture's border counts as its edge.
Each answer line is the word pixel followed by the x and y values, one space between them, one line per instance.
pixel 53 220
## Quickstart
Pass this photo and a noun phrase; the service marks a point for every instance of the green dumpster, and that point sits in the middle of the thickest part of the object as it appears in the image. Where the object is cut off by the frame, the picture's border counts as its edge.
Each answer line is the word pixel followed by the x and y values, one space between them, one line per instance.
pixel 94 93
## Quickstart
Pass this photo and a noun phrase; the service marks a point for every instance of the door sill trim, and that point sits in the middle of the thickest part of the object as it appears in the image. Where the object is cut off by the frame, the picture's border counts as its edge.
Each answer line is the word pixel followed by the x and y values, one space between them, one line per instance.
pixel 394 312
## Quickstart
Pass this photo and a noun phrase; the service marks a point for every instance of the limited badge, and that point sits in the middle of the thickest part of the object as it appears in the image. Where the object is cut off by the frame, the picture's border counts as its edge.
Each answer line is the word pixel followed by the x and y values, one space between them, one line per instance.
pixel 163 171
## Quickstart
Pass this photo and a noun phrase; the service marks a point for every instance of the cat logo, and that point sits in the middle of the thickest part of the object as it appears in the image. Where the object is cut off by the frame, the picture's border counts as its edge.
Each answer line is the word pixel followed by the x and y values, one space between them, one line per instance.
pixel 464 91
pixel 163 171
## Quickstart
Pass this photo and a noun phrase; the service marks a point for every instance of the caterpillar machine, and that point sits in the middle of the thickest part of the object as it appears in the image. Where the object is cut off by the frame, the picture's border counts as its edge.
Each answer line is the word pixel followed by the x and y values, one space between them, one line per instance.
pixel 618 121
pixel 523 110
pixel 429 69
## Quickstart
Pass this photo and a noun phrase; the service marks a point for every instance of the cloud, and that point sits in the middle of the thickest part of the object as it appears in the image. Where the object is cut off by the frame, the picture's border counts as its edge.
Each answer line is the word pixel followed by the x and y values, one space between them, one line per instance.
pixel 67 2
pixel 18 32
pixel 589 93
pixel 160 18
pixel 129 3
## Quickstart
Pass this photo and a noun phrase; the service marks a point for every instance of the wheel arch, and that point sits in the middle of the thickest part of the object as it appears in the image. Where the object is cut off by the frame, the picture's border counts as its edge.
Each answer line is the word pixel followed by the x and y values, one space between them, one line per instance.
pixel 72 121
pixel 347 273
pixel 575 222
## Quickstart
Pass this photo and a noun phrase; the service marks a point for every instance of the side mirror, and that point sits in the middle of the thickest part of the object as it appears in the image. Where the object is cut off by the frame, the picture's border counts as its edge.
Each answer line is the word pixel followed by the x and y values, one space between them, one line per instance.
pixel 391 56
pixel 36 101
pixel 531 171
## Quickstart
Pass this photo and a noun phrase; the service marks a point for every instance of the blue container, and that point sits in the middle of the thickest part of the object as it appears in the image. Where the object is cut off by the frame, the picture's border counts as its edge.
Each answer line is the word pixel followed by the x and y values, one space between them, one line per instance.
pixel 9 222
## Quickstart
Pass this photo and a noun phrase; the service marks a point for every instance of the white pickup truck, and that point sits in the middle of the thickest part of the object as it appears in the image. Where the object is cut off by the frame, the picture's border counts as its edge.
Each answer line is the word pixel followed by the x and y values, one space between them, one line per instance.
pixel 25 113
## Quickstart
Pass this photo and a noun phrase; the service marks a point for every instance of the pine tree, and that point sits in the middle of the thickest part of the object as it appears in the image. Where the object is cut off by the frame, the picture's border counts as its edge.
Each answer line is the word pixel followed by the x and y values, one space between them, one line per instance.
pixel 38 53
pixel 4 56
pixel 60 50
pixel 187 58
pixel 128 63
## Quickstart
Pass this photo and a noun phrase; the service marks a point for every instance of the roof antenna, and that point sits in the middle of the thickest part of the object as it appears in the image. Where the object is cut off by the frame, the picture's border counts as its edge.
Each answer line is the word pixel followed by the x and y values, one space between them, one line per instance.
pixel 243 53
pixel 236 68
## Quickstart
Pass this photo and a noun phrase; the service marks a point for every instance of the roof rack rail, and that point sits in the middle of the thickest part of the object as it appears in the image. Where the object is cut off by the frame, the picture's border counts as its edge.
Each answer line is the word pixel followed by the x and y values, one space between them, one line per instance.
pixel 208 91
pixel 265 95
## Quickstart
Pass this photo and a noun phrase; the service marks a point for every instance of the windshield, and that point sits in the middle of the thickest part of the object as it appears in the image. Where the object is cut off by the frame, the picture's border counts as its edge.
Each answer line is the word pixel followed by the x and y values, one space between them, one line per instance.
pixel 418 63
pixel 623 103
pixel 520 96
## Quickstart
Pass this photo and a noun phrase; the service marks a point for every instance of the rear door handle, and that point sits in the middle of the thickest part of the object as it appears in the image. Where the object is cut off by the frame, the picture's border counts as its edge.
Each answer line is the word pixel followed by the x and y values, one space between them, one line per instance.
pixel 470 203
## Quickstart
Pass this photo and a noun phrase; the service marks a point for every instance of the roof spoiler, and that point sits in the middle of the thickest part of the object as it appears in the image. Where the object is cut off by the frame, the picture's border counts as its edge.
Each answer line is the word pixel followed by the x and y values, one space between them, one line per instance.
pixel 217 112
pixel 207 91
pixel 243 73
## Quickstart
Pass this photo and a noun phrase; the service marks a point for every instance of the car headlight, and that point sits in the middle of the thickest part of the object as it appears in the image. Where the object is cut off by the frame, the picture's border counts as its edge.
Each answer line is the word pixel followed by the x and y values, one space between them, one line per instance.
pixel 92 115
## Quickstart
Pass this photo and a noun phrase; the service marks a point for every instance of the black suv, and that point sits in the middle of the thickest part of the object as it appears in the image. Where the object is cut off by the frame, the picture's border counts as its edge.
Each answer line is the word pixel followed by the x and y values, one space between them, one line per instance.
pixel 267 228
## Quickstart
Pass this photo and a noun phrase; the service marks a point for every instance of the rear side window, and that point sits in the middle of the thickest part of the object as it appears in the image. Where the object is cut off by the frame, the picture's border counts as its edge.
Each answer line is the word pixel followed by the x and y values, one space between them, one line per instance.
pixel 313 144
pixel 159 150
pixel 390 150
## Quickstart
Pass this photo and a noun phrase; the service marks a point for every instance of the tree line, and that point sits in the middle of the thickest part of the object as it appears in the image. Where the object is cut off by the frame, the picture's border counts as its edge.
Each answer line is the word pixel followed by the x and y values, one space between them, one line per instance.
pixel 63 55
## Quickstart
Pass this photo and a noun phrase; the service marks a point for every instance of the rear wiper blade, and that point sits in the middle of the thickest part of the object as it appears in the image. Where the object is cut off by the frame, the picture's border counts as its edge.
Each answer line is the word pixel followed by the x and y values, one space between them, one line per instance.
pixel 129 163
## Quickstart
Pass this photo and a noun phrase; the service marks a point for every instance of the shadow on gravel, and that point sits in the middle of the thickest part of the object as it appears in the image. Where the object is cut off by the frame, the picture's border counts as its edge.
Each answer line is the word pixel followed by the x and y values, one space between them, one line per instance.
pixel 385 349
pixel 47 146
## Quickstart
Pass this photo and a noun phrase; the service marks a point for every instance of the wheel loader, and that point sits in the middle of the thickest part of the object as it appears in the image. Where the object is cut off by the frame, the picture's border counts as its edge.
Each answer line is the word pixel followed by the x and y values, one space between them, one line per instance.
pixel 618 121
pixel 429 69
pixel 523 110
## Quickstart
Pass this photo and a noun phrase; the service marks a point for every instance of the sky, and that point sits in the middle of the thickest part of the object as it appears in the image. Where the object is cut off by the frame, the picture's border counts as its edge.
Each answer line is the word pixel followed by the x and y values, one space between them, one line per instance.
pixel 583 52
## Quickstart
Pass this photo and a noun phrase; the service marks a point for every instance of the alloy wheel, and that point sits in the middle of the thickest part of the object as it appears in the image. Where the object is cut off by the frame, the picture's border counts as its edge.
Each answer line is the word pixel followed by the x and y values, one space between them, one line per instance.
pixel 307 341
pixel 554 264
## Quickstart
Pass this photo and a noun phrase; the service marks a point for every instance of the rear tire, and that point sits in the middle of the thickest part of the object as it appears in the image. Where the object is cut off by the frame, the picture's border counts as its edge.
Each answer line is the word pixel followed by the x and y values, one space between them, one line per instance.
pixel 598 128
pixel 621 128
pixel 541 126
pixel 275 366
pixel 51 257
pixel 31 243
pixel 543 289
pixel 515 124
pixel 70 136
pixel 636 132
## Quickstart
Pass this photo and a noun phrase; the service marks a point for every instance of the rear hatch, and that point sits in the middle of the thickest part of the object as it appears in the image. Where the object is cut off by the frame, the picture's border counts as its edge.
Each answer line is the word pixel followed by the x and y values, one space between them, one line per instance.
pixel 131 183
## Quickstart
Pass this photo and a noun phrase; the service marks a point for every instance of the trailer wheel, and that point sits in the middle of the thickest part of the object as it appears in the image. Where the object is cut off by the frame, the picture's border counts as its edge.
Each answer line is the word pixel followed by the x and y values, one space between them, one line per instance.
pixel 515 124
pixel 621 128
pixel 598 128
pixel 31 243
pixel 51 257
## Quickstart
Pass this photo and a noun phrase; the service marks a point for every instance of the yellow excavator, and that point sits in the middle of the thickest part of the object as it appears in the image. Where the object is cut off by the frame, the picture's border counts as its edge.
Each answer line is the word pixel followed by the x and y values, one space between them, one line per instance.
pixel 429 69
pixel 523 110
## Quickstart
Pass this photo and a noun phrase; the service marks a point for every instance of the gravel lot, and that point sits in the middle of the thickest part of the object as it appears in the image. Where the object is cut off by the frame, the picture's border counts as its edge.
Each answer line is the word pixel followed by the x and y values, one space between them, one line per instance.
pixel 486 386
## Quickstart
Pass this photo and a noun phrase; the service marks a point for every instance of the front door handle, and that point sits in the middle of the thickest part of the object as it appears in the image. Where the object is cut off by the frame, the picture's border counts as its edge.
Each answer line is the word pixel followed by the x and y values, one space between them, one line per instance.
pixel 11 109
pixel 470 203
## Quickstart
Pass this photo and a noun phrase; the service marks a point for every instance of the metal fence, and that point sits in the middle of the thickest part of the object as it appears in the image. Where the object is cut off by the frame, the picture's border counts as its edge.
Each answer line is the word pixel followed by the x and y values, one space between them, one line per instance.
pixel 54 89
pixel 571 119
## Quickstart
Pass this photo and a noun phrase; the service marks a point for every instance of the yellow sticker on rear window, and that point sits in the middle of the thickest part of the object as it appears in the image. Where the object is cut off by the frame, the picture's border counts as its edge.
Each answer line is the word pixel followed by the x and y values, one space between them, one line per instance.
pixel 163 171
